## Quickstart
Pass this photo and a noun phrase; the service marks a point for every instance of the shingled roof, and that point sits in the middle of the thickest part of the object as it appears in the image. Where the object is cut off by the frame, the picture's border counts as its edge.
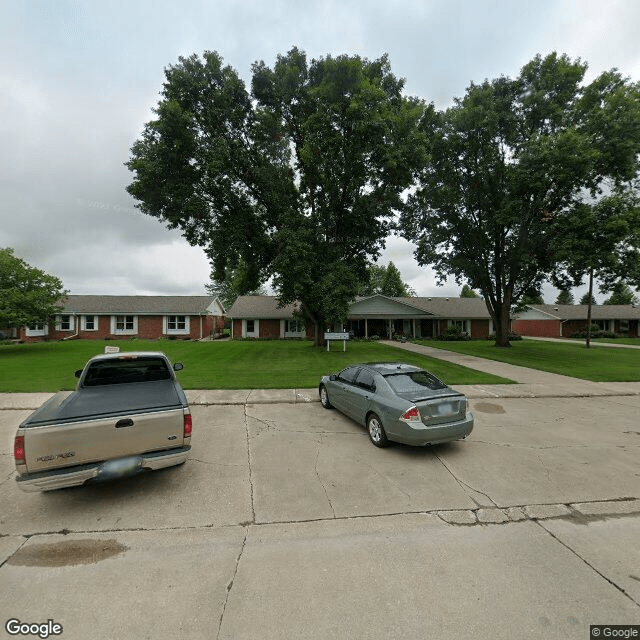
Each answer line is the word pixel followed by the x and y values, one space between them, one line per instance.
pixel 261 307
pixel 439 307
pixel 137 305
pixel 598 312
pixel 450 307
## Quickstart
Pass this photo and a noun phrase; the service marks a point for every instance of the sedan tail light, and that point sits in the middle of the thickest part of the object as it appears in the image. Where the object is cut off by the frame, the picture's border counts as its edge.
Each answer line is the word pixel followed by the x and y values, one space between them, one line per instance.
pixel 188 425
pixel 18 450
pixel 411 415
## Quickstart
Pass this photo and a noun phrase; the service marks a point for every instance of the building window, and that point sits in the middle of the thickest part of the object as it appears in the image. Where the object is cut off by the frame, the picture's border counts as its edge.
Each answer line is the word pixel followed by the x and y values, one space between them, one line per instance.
pixel 251 326
pixel 124 324
pixel 37 329
pixel 294 326
pixel 89 323
pixel 177 324
pixel 64 323
pixel 624 326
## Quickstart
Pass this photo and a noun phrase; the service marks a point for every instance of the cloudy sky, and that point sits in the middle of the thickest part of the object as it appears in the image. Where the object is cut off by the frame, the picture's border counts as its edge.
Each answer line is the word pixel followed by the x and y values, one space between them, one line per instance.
pixel 78 80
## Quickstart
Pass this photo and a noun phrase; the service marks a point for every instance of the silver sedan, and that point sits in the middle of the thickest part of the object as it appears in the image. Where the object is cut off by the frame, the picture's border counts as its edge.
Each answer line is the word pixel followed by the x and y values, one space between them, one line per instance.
pixel 398 402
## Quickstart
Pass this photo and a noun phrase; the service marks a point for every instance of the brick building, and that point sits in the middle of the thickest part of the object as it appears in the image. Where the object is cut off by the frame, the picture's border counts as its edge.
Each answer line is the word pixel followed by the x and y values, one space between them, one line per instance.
pixel 562 320
pixel 145 317
pixel 262 317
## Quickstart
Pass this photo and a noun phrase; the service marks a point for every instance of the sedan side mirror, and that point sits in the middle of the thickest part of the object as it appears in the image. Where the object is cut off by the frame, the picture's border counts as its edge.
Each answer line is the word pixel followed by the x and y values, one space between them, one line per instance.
pixel 78 373
pixel 178 366
pixel 333 377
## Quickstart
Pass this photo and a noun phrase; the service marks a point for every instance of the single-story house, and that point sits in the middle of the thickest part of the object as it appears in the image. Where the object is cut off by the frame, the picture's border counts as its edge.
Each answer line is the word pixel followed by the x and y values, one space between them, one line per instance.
pixel 262 317
pixel 562 320
pixel 147 317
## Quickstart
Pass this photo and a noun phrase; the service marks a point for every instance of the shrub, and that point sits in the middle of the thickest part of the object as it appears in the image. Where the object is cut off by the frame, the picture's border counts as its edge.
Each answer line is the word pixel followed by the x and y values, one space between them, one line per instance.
pixel 454 334
pixel 596 332
pixel 512 336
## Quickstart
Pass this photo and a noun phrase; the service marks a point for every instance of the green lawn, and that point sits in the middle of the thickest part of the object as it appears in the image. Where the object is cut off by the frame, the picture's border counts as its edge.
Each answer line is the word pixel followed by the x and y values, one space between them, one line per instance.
pixel 599 364
pixel 238 364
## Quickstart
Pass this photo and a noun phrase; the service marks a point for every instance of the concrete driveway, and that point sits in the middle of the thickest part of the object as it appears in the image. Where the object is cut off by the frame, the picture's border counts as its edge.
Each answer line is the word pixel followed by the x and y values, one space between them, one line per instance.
pixel 287 523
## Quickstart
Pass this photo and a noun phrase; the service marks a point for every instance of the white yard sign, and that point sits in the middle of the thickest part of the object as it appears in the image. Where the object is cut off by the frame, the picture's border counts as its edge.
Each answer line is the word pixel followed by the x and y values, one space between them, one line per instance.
pixel 344 336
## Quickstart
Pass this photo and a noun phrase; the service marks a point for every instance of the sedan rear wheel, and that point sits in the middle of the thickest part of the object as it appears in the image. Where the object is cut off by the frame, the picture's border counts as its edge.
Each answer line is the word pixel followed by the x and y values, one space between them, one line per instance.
pixel 376 431
pixel 324 398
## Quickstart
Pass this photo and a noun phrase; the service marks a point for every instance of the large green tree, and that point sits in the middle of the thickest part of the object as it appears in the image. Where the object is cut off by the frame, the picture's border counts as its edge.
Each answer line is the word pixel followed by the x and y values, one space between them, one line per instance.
pixel 297 179
pixel 508 162
pixel 28 295
pixel 600 240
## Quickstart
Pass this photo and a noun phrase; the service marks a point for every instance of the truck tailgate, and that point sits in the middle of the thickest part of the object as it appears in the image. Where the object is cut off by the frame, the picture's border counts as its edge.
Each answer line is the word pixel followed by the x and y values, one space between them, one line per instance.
pixel 66 444
pixel 103 423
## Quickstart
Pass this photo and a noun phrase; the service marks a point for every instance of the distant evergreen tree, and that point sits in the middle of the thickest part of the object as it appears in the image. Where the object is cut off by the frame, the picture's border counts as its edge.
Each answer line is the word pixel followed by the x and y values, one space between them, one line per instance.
pixel 585 299
pixel 565 297
pixel 376 274
pixel 468 292
pixel 392 284
pixel 535 297
pixel 621 294
pixel 233 285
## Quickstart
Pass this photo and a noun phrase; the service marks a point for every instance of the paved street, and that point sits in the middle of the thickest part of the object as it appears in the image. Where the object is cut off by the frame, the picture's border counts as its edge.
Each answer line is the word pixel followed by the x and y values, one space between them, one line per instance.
pixel 287 523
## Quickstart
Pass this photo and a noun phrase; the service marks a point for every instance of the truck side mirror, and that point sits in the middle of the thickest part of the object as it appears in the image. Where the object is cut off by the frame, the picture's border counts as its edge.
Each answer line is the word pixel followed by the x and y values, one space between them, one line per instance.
pixel 78 373
pixel 178 366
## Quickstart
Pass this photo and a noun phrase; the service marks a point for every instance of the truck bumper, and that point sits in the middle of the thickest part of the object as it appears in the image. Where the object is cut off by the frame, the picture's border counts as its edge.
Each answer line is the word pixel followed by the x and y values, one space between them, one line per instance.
pixel 95 472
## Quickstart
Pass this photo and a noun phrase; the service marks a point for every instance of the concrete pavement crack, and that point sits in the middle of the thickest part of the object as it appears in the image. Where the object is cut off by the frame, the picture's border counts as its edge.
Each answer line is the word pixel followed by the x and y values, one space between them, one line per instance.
pixel 16 551
pixel 324 488
pixel 214 464
pixel 246 431
pixel 230 585
pixel 464 486
pixel 566 546
pixel 11 475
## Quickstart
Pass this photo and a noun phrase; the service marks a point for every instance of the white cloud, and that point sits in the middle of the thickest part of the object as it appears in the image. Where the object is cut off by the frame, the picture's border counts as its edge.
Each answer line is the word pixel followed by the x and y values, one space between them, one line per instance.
pixel 78 81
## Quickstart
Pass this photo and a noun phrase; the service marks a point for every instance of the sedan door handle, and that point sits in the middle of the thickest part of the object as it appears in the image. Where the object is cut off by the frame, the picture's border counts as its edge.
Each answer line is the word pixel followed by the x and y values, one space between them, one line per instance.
pixel 126 422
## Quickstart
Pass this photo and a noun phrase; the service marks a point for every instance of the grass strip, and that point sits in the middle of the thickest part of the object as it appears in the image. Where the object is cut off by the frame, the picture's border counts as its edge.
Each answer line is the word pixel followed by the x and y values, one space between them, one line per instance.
pixel 236 364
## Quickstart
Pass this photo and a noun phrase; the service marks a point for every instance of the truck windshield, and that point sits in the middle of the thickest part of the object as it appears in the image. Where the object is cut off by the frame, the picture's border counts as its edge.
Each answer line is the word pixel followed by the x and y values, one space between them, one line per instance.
pixel 415 381
pixel 127 369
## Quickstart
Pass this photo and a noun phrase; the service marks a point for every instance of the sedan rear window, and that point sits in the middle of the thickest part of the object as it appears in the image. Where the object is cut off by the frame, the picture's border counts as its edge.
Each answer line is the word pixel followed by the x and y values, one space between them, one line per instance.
pixel 414 381
pixel 118 371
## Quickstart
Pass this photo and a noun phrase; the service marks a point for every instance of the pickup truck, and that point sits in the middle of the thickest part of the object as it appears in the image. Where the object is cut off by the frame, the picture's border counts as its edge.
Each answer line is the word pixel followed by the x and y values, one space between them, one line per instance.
pixel 128 414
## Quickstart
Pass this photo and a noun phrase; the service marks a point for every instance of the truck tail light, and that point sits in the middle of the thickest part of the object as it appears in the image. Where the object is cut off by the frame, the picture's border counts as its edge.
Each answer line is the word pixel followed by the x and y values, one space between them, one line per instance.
pixel 188 425
pixel 18 450
pixel 411 415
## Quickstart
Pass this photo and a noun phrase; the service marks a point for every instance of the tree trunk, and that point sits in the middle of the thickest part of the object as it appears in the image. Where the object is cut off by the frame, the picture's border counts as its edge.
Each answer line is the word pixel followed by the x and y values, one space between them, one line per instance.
pixel 501 319
pixel 588 341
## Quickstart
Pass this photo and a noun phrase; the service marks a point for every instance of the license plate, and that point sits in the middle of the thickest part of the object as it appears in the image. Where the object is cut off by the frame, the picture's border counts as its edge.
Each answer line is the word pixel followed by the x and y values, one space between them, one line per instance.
pixel 445 409
pixel 120 467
